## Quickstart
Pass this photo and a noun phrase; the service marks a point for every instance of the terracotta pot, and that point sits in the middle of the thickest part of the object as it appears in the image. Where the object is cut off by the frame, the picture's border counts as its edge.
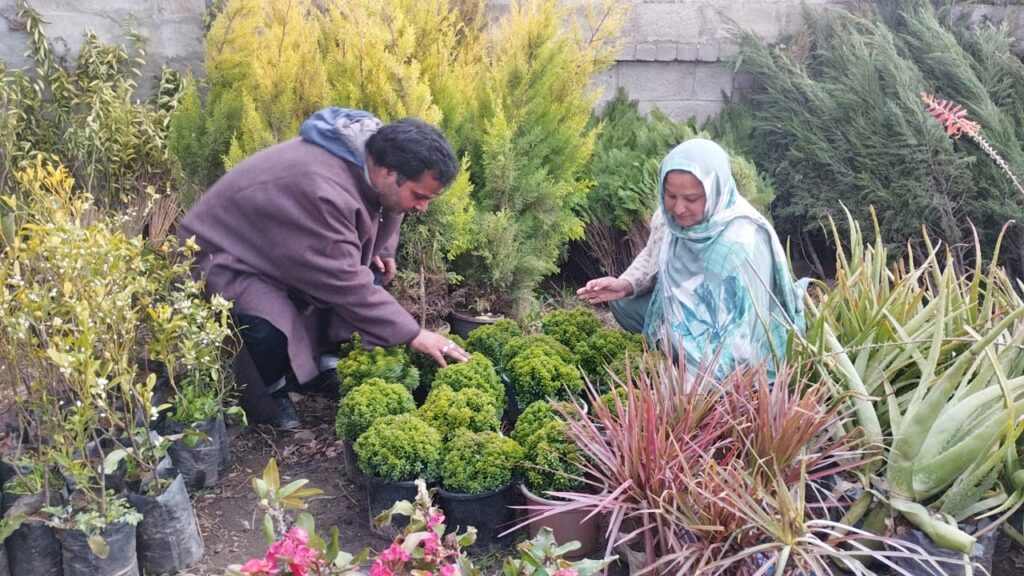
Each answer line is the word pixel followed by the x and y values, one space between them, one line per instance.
pixel 462 323
pixel 566 526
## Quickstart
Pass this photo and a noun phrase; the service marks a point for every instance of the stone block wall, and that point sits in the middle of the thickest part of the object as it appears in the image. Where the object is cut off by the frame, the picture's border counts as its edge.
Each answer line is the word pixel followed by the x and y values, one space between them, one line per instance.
pixel 673 55
pixel 173 28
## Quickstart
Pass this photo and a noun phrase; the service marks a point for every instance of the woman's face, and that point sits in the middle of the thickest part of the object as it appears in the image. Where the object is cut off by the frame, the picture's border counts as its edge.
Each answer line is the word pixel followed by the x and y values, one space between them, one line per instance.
pixel 685 198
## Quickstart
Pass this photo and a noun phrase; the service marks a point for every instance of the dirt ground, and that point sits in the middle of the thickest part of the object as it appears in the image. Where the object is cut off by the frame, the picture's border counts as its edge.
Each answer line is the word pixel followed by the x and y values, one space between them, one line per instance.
pixel 228 513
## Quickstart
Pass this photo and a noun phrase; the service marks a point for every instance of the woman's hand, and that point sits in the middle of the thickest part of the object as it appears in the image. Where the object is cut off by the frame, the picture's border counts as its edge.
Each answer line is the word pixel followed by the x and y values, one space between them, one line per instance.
pixel 607 289
pixel 437 347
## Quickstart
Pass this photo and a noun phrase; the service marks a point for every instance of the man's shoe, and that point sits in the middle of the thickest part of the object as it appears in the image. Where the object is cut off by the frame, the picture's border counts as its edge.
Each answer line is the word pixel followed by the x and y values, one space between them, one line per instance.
pixel 287 417
pixel 324 384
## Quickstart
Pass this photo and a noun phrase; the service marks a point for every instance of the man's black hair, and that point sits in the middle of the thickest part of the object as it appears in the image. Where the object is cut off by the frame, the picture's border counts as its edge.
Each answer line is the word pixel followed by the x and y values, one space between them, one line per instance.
pixel 411 147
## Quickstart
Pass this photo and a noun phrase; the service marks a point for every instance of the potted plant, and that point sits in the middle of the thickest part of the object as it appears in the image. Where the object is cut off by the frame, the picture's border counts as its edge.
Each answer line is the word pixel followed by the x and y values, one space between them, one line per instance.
pixel 476 483
pixel 453 412
pixel 428 368
pixel 389 364
pixel 537 373
pixel 491 340
pixel 477 372
pixel 364 405
pixel 393 452
pixel 543 556
pixel 188 334
pixel 31 543
pixel 552 464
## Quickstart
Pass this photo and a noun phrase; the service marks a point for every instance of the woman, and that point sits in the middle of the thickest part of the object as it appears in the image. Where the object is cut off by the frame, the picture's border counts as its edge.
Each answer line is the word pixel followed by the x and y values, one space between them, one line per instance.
pixel 722 288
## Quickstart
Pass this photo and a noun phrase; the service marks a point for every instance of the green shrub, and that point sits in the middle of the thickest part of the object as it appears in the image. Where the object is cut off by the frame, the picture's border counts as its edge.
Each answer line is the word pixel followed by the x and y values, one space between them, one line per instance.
pixel 530 146
pixel 491 340
pixel 400 448
pixel 554 462
pixel 478 372
pixel 532 419
pixel 549 345
pixel 388 364
pixel 608 398
pixel 426 365
pixel 371 400
pixel 609 349
pixel 452 412
pixel 571 327
pixel 842 124
pixel 86 113
pixel 537 374
pixel 479 462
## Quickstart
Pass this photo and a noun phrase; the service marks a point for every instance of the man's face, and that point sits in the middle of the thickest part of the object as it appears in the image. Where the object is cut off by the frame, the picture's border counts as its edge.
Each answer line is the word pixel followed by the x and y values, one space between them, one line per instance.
pixel 411 195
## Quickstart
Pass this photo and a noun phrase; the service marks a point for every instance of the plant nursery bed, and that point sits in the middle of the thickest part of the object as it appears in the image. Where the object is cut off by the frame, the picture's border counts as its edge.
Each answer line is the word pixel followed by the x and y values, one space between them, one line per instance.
pixel 227 513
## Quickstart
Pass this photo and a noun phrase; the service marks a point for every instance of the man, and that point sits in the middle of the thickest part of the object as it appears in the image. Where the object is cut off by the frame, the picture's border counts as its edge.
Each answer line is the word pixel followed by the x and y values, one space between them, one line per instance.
pixel 290 235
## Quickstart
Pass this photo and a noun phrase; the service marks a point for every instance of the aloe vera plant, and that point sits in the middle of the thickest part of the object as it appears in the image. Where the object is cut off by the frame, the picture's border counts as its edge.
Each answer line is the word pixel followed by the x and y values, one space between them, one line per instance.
pixel 930 358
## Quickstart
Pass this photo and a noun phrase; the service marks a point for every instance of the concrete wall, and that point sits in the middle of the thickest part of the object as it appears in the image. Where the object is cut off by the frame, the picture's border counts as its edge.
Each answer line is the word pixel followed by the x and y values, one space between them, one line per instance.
pixel 672 55
pixel 174 29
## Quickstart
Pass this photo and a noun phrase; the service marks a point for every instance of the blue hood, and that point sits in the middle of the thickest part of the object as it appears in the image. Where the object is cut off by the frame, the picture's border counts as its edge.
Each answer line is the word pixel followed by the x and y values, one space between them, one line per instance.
pixel 342 132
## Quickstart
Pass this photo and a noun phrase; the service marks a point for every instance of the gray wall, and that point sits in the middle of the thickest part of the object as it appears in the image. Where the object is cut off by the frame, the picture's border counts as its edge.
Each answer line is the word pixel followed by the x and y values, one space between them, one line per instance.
pixel 672 55
pixel 174 29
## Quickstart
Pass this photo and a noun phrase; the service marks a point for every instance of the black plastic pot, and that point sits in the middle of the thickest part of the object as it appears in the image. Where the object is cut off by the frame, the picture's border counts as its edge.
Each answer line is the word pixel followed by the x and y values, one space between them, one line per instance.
pixel 168 537
pixel 199 464
pixel 382 495
pixel 33 549
pixel 357 476
pixel 462 323
pixel 79 559
pixel 491 513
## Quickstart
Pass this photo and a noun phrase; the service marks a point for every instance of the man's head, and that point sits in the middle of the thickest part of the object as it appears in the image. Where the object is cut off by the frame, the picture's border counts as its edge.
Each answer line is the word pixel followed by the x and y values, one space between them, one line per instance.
pixel 409 162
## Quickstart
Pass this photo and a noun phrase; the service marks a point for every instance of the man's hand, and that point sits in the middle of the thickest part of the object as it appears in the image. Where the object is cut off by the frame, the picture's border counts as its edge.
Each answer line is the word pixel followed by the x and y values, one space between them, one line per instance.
pixel 387 266
pixel 437 347
pixel 605 289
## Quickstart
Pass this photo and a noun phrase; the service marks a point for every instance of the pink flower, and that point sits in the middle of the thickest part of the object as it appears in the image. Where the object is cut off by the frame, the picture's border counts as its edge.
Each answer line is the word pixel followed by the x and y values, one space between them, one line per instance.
pixel 566 572
pixel 434 521
pixel 379 569
pixel 451 570
pixel 394 553
pixel 296 534
pixel 259 566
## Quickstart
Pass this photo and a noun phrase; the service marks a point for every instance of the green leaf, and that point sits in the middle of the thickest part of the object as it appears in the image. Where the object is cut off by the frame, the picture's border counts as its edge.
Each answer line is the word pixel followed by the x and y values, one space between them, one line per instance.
pixel 112 460
pixel 292 487
pixel 268 529
pixel 306 521
pixel 271 476
pixel 99 546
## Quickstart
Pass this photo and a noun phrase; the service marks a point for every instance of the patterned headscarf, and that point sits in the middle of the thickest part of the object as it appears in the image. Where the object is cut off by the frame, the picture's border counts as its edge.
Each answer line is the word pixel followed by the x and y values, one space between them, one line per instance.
pixel 724 288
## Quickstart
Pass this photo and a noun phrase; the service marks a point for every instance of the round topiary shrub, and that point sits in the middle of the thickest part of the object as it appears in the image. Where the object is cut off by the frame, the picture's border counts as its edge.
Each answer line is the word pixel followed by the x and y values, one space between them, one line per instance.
pixel 389 364
pixel 365 403
pixel 532 419
pixel 606 350
pixel 478 372
pixel 490 340
pixel 479 462
pixel 571 327
pixel 400 448
pixel 427 366
pixel 452 412
pixel 554 462
pixel 517 346
pixel 537 374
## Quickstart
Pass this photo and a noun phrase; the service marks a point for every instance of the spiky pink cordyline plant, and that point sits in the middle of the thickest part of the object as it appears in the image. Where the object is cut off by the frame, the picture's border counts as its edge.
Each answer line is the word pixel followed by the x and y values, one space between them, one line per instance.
pixel 699 471
pixel 954 118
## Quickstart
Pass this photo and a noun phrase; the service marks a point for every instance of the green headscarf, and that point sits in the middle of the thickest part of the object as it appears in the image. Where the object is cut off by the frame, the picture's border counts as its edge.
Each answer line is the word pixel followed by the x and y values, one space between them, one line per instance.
pixel 725 293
